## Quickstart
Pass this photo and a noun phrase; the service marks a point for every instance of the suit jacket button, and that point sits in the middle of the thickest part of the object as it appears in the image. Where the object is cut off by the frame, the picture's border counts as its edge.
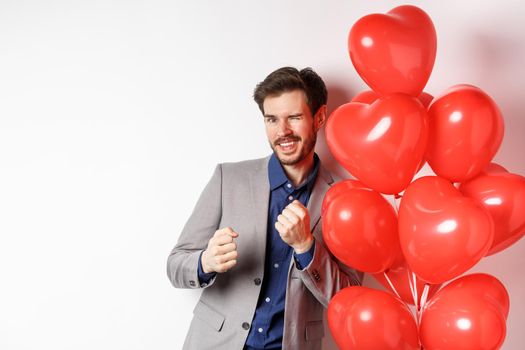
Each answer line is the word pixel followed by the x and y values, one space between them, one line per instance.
pixel 192 283
pixel 257 281
pixel 245 325
pixel 316 275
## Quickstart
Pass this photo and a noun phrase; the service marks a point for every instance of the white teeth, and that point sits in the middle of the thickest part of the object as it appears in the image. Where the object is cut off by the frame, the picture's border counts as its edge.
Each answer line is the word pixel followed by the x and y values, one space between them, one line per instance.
pixel 286 144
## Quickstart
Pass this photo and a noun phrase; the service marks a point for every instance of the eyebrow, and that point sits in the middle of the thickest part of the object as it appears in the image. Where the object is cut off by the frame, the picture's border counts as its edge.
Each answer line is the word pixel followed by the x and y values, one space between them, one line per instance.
pixel 291 115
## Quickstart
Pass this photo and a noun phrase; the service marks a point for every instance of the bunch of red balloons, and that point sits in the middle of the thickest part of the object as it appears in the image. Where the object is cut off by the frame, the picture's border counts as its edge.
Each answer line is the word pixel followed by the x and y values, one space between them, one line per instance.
pixel 445 224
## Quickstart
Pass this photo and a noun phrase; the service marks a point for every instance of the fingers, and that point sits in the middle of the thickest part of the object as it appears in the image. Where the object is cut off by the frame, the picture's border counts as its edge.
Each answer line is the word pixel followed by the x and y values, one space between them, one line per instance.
pixel 292 216
pixel 226 231
pixel 224 249
pixel 221 254
pixel 226 266
pixel 280 228
pixel 297 209
pixel 221 240
pixel 223 236
pixel 284 227
pixel 222 259
pixel 223 262
pixel 286 220
pixel 293 226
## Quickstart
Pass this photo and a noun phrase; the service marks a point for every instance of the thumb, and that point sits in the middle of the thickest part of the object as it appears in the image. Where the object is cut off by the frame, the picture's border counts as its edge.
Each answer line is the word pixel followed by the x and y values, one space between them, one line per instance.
pixel 233 233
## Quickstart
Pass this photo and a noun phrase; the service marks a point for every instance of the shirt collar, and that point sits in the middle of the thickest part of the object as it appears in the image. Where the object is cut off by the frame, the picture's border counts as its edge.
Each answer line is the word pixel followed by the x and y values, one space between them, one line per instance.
pixel 278 177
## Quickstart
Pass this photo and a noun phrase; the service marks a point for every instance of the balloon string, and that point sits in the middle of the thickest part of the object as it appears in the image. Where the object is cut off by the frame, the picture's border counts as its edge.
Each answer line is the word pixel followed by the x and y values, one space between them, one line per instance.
pixel 411 288
pixel 396 205
pixel 424 297
pixel 414 281
pixel 390 284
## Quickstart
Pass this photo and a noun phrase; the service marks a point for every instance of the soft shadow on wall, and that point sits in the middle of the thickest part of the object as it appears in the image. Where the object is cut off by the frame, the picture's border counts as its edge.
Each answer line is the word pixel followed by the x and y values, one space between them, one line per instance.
pixel 498 62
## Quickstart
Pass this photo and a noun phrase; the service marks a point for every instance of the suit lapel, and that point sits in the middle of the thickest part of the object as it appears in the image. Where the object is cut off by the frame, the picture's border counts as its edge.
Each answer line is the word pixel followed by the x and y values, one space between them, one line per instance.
pixel 322 185
pixel 260 197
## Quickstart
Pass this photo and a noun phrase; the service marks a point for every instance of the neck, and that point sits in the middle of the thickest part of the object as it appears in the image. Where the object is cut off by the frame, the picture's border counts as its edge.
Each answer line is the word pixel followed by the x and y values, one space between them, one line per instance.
pixel 297 173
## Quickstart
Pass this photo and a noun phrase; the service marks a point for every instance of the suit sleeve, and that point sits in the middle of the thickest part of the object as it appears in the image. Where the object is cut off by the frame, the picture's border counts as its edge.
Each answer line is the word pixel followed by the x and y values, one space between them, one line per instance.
pixel 325 275
pixel 183 260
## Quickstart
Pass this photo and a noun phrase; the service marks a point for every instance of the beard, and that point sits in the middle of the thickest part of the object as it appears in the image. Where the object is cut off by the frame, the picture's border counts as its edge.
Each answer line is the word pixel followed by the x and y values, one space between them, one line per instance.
pixel 307 145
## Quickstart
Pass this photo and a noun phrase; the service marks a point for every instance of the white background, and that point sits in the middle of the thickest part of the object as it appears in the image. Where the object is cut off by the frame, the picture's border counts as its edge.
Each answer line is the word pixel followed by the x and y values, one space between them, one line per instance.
pixel 114 113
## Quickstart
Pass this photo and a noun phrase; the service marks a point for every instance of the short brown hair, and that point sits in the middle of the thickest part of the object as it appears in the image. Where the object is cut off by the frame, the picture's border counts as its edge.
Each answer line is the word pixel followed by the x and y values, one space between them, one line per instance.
pixel 287 79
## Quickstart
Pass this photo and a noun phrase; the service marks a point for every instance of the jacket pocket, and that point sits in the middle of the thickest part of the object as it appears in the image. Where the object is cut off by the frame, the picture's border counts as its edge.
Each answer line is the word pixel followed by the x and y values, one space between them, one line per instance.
pixel 209 316
pixel 314 330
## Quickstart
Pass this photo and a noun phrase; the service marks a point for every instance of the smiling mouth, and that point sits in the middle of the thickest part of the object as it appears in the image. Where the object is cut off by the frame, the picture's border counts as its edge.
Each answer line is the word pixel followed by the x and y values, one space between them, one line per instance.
pixel 287 145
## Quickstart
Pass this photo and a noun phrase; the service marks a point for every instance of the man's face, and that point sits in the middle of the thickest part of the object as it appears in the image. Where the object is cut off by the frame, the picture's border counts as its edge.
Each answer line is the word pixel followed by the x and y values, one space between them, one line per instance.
pixel 290 127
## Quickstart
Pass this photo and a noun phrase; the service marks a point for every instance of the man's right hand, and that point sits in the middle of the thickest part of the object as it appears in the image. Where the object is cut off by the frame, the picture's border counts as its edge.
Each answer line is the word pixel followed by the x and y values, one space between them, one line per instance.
pixel 221 253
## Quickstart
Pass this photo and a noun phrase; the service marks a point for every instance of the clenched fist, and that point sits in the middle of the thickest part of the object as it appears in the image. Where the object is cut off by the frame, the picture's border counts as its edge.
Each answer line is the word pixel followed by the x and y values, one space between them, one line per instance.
pixel 293 226
pixel 221 253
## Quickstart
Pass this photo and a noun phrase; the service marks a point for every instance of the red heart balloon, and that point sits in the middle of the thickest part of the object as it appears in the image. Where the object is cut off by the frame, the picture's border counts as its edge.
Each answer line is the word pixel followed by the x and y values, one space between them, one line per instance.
pixel 503 195
pixel 494 168
pixel 337 310
pixel 442 233
pixel 468 314
pixel 360 229
pixel 483 286
pixel 426 99
pixel 465 132
pixel 364 318
pixel 369 96
pixel 381 144
pixel 337 189
pixel 394 52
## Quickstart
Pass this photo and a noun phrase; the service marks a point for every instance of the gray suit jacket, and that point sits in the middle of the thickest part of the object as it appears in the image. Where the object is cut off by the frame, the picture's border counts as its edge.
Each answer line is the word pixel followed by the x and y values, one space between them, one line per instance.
pixel 237 196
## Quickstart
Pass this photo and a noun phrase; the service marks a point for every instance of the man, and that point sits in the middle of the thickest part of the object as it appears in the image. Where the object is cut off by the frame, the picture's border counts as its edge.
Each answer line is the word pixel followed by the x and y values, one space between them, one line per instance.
pixel 254 241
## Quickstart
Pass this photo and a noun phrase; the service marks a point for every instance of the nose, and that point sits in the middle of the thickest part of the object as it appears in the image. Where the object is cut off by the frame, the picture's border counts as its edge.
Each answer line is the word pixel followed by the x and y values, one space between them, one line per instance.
pixel 283 128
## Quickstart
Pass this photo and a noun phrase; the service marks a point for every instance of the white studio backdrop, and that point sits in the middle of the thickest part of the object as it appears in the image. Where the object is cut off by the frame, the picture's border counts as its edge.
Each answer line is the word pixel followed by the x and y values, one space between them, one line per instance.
pixel 114 113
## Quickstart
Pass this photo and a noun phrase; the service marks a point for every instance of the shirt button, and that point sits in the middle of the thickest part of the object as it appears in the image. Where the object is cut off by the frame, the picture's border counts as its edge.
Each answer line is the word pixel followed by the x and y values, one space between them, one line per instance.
pixel 289 185
pixel 267 299
pixel 257 281
pixel 276 265
pixel 260 330
pixel 192 283
pixel 290 198
pixel 245 325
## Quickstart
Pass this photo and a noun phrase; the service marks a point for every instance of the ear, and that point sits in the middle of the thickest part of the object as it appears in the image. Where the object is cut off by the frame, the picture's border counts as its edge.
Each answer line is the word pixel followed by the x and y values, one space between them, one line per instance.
pixel 320 118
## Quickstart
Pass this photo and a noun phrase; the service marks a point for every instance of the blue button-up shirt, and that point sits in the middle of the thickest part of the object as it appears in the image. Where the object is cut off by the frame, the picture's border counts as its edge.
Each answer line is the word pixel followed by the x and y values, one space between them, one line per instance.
pixel 266 331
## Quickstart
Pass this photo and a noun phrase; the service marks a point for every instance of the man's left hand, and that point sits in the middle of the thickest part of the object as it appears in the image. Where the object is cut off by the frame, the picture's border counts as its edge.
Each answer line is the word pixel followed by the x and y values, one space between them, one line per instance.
pixel 293 226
